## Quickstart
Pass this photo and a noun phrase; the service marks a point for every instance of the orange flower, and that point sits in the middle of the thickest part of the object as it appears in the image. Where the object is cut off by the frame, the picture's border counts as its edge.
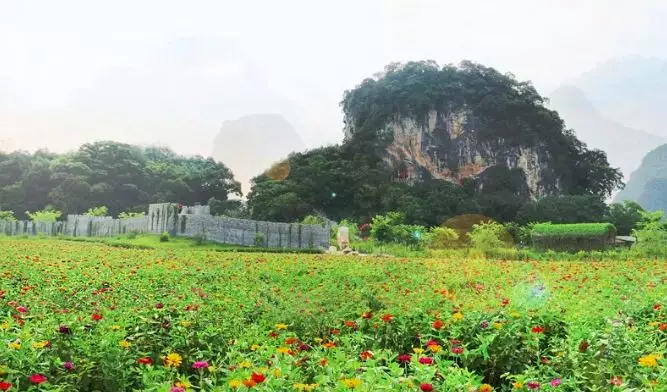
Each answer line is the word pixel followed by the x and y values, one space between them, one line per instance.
pixel 387 318
pixel 438 324
pixel 366 355
pixel 249 383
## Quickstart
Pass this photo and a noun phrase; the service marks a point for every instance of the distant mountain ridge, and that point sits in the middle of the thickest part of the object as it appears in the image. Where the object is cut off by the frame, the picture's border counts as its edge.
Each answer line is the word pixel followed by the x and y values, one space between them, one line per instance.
pixel 648 184
pixel 625 146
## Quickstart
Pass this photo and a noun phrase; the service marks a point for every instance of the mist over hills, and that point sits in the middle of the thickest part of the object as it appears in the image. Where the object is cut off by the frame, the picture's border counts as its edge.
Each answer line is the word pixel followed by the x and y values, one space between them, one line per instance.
pixel 625 146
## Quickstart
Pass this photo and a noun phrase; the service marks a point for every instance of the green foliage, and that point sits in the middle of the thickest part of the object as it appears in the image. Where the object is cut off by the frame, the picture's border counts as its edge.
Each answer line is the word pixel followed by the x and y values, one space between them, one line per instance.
pixel 352 229
pixel 563 209
pixel 382 226
pixel 314 220
pixel 442 238
pixel 486 237
pixel 133 234
pixel 128 215
pixel 625 216
pixel 574 230
pixel 7 216
pixel 48 214
pixel 259 240
pixel 164 237
pixel 119 176
pixel 98 211
pixel 651 236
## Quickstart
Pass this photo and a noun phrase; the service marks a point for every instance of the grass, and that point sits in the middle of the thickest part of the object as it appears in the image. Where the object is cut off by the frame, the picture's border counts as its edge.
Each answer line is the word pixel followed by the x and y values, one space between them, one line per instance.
pixel 573 229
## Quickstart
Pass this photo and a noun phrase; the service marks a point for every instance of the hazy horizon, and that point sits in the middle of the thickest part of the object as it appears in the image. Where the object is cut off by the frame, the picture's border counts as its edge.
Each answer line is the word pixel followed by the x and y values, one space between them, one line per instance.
pixel 159 72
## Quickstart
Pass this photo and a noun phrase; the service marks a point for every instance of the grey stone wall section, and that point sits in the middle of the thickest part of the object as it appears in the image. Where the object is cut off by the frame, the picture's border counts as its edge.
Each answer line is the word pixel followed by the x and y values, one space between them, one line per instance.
pixel 165 217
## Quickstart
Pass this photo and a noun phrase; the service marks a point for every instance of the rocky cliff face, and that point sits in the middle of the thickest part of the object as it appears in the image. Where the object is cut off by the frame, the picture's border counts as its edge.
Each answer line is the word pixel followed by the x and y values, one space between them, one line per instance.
pixel 446 146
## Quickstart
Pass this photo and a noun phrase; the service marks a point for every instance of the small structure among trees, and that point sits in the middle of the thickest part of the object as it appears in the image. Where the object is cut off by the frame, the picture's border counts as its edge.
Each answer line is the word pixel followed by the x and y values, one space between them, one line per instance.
pixel 573 236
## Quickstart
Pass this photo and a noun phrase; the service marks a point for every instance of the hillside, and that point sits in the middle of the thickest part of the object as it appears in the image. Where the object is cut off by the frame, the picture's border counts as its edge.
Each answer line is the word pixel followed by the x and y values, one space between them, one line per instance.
pixel 625 147
pixel 647 184
pixel 251 144
pixel 455 123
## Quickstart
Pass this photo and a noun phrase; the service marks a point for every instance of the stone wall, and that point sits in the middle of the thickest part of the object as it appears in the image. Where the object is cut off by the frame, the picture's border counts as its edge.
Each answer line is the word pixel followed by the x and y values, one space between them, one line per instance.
pixel 165 217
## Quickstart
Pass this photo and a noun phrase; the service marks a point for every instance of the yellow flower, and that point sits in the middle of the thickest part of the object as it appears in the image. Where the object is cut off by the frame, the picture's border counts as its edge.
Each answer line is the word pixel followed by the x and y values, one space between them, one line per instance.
pixel 458 316
pixel 115 327
pixel 319 340
pixel 276 373
pixel 485 388
pixel 212 369
pixel 125 344
pixel 185 323
pixel 497 325
pixel 650 360
pixel 305 387
pixel 281 326
pixel 515 314
pixel 3 370
pixel 351 382
pixel 235 383
pixel 517 385
pixel 245 364
pixel 254 347
pixel 435 348
pixel 283 350
pixel 42 344
pixel 4 325
pixel 15 345
pixel 653 324
pixel 173 360
pixel 418 350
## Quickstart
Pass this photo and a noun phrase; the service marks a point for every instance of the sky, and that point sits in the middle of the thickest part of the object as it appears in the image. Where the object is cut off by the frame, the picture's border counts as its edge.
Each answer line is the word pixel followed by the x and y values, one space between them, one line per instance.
pixel 171 72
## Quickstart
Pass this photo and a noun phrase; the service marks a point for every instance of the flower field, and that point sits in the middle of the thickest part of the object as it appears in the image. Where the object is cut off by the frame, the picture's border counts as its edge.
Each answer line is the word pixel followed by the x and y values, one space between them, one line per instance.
pixel 87 317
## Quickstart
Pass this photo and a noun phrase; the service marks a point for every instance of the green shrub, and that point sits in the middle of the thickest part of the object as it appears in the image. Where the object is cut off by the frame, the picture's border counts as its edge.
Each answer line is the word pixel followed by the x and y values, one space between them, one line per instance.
pixel 97 211
pixel 259 240
pixel 314 220
pixel 7 216
pixel 442 238
pixel 352 229
pixel 199 238
pixel 651 236
pixel 489 236
pixel 48 214
pixel 382 226
pixel 133 234
pixel 164 237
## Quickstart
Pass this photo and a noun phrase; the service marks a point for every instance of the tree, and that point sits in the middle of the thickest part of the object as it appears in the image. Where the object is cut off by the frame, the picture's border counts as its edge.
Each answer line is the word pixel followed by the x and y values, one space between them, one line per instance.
pixel 625 216
pixel 98 211
pixel 563 209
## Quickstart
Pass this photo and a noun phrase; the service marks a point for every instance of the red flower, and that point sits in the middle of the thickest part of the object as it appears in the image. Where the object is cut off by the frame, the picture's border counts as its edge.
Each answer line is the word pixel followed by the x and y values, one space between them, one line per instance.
pixel 533 385
pixel 145 361
pixel 426 361
pixel 537 329
pixel 404 358
pixel 38 378
pixel 366 355
pixel 351 324
pixel 159 305
pixel 367 315
pixel 22 309
pixel 258 377
pixel 387 318
pixel 97 317
pixel 433 343
pixel 583 346
pixel 457 350
pixel 426 387
pixel 657 307
pixel 290 340
pixel 437 324
pixel 505 302
pixel 4 386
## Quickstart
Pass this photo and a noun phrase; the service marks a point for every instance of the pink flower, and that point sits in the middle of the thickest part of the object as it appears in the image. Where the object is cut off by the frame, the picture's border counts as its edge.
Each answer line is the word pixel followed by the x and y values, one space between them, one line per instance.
pixel 177 389
pixel 533 385
pixel 68 365
pixel 22 309
pixel 555 382
pixel 200 365
pixel 404 358
pixel 38 378
pixel 457 350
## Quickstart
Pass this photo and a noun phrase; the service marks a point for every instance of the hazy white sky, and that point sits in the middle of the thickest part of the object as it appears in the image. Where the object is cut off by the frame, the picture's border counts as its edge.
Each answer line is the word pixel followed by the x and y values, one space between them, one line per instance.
pixel 170 71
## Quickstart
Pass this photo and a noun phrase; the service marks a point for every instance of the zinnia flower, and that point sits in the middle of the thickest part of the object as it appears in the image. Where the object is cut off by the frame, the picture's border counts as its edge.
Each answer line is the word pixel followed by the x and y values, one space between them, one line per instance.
pixel 351 383
pixel 533 384
pixel 404 358
pixel 537 329
pixel 249 383
pixel 159 305
pixel 485 388
pixel 457 350
pixel 426 361
pixel 258 377
pixel 145 361
pixel 173 360
pixel 555 382
pixel 38 378
pixel 650 360
pixel 366 355
pixel 177 389
pixel 437 324
pixel 616 381
pixel 22 309
pixel 97 317
pixel 236 383
pixel 200 365
pixel 387 318
pixel 64 329
pixel 484 324
pixel 68 365
pixel 426 387
pixel 4 386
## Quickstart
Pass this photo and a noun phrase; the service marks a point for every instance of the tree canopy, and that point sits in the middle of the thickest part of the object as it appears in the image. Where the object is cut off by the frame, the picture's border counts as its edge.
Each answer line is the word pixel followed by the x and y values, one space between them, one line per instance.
pixel 119 176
